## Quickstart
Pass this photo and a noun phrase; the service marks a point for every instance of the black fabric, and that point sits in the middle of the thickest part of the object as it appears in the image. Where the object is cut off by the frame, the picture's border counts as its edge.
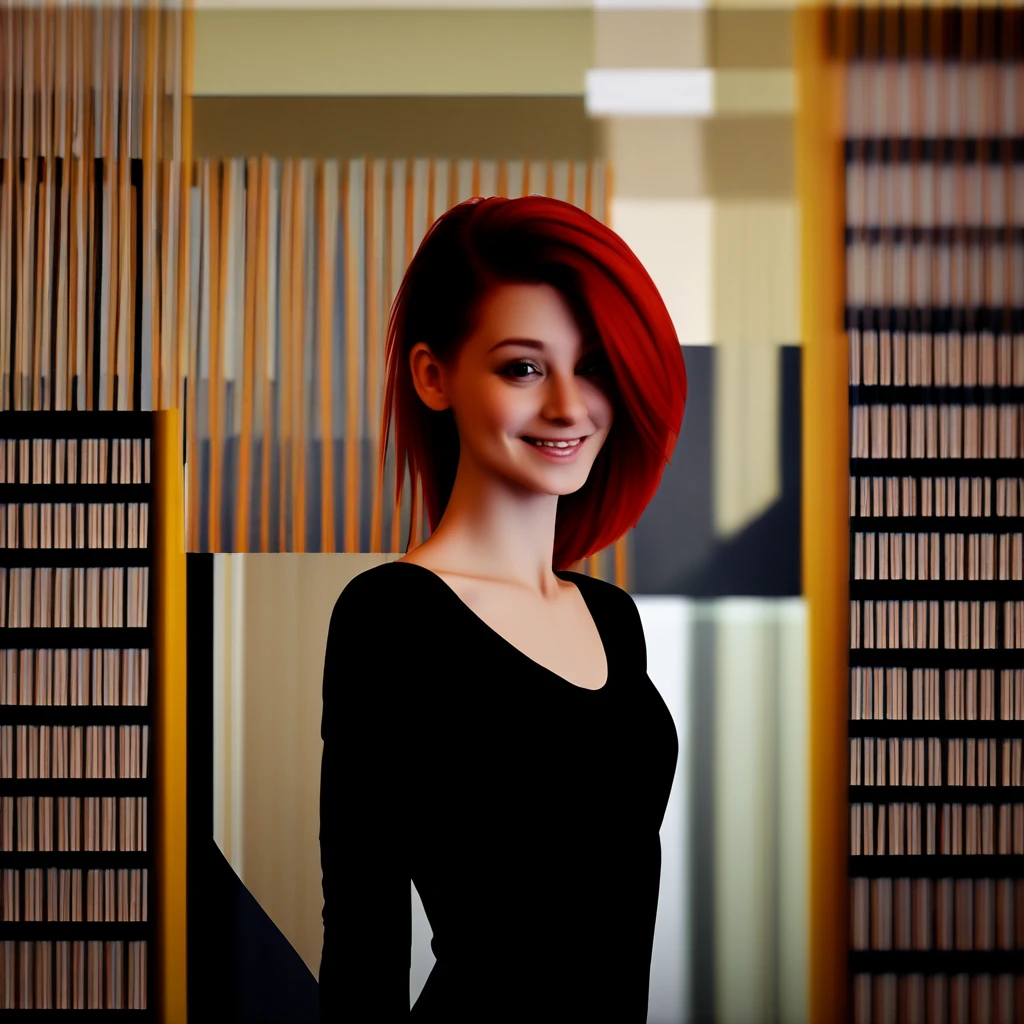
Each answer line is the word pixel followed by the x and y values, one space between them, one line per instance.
pixel 525 809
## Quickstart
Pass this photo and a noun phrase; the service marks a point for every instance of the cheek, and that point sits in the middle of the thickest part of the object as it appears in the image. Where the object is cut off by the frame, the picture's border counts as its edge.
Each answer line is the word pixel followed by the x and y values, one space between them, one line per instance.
pixel 602 410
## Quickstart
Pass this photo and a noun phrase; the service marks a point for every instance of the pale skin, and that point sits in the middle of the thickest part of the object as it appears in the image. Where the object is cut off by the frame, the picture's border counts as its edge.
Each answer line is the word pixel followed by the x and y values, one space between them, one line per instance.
pixel 495 541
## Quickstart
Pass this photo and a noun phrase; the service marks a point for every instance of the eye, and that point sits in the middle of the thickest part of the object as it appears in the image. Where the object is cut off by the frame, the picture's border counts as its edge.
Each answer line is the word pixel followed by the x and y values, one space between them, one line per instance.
pixel 507 372
pixel 595 364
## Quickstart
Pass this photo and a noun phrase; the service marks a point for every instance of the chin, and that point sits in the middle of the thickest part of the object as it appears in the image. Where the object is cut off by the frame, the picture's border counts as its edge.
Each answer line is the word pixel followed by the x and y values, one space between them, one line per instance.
pixel 568 484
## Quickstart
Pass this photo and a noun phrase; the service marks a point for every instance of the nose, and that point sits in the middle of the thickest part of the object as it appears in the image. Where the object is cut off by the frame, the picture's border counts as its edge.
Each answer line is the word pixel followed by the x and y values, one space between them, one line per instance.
pixel 563 398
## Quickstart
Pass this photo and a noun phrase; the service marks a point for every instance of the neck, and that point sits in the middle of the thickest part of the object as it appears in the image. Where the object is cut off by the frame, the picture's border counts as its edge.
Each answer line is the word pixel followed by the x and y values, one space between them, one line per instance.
pixel 497 532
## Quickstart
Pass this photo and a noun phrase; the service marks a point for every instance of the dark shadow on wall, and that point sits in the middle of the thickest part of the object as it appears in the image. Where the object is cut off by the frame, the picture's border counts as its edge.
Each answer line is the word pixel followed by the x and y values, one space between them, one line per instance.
pixel 272 984
pixel 675 549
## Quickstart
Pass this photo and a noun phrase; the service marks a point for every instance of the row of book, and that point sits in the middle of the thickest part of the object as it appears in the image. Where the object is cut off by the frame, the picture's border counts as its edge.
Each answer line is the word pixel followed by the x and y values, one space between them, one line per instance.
pixel 961 998
pixel 86 460
pixel 922 359
pixel 924 267
pixel 967 694
pixel 919 761
pixel 73 824
pixel 77 676
pixel 935 187
pixel 931 556
pixel 944 829
pixel 56 894
pixel 940 913
pixel 90 597
pixel 84 525
pixel 74 752
pixel 939 497
pixel 75 975
pixel 915 625
pixel 947 83
pixel 982 430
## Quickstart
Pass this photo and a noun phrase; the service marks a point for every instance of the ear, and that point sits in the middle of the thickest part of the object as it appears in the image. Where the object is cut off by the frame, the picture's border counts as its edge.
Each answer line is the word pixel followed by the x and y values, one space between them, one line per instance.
pixel 428 377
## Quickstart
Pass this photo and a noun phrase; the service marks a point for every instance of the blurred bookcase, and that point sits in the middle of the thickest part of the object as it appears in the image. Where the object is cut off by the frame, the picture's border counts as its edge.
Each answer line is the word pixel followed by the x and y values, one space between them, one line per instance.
pixel 92 715
pixel 914 494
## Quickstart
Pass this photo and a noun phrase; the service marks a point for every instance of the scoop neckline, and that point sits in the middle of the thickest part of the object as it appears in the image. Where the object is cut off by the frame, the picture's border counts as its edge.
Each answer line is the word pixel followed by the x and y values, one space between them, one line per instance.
pixel 561 574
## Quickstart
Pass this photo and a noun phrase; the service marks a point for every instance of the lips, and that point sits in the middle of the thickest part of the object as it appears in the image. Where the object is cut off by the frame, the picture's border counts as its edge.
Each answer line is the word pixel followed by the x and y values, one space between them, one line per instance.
pixel 555 453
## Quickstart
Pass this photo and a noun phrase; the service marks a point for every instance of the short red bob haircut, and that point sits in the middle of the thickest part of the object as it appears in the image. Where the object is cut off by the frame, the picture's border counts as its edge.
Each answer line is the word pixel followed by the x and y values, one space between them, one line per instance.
pixel 481 244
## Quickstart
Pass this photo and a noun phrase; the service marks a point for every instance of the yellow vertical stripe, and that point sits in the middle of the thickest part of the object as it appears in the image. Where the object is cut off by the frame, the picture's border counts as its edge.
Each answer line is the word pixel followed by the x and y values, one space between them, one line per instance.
pixel 246 383
pixel 373 350
pixel 825 500
pixel 124 329
pixel 165 365
pixel 352 342
pixel 220 208
pixel 113 175
pixel 170 720
pixel 389 270
pixel 453 182
pixel 298 449
pixel 325 295
pixel 431 182
pixel 132 299
pixel 74 178
pixel 287 292
pixel 149 169
pixel 92 340
pixel 415 522
pixel 263 342
pixel 185 173
pixel 194 477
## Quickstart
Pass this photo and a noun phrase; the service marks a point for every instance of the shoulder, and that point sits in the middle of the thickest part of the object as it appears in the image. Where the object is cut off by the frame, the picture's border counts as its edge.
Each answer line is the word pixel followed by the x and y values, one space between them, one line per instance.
pixel 616 602
pixel 380 582
pixel 601 590
pixel 606 595
pixel 372 606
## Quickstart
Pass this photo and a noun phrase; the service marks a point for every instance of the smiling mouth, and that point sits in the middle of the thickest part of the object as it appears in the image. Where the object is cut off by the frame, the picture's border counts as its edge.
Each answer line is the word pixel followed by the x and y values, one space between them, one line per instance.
pixel 573 443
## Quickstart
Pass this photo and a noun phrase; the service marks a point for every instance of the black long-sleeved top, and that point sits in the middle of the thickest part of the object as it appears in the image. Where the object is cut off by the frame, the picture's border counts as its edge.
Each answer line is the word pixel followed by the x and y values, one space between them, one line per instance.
pixel 525 809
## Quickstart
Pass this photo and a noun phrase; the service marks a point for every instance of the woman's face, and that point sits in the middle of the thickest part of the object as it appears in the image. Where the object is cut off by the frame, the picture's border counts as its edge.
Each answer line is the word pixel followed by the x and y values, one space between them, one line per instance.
pixel 527 374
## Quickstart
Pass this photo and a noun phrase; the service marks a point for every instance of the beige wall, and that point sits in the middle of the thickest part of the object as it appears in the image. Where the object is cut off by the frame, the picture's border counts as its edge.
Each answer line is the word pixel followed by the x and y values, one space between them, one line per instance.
pixel 273 614
pixel 391 52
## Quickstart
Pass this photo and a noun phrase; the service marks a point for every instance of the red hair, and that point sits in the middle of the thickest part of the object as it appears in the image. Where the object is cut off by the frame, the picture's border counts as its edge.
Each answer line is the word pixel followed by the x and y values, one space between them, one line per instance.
pixel 481 244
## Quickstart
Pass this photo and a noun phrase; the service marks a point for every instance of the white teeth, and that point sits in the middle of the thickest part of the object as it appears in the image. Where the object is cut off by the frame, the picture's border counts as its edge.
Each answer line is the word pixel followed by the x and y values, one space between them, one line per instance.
pixel 555 444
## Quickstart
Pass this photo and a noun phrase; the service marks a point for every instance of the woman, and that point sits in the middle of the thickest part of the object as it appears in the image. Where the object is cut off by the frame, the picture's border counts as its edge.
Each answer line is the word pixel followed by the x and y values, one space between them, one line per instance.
pixel 489 727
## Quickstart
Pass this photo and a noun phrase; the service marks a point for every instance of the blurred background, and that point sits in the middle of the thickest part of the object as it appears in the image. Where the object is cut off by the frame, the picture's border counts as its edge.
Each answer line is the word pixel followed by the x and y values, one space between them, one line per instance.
pixel 830 199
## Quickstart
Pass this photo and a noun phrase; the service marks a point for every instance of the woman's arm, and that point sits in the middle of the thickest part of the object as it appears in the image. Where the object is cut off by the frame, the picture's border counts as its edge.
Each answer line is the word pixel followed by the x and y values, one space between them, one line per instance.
pixel 364 968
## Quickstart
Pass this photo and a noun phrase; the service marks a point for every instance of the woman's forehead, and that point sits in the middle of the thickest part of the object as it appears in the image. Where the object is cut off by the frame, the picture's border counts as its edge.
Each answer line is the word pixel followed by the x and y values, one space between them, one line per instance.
pixel 531 313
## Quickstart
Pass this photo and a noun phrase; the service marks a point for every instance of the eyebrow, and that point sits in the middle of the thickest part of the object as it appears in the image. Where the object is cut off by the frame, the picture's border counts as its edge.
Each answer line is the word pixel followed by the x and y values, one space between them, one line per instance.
pixel 528 342
pixel 535 344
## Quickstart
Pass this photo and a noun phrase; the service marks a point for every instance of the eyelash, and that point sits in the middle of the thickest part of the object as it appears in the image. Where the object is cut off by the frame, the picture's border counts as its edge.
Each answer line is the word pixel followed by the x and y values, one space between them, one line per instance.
pixel 595 361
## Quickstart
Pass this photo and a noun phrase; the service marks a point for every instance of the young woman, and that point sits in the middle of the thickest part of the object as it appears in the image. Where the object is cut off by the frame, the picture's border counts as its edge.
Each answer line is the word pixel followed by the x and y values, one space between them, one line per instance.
pixel 490 731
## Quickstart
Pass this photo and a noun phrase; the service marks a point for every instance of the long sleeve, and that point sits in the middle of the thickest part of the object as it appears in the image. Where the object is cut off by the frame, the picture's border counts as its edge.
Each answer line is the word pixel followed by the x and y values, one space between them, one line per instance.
pixel 367 950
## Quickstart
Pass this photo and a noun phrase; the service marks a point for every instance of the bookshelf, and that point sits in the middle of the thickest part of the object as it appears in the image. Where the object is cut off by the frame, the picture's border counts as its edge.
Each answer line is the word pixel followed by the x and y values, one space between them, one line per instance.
pixel 935 701
pixel 84 713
